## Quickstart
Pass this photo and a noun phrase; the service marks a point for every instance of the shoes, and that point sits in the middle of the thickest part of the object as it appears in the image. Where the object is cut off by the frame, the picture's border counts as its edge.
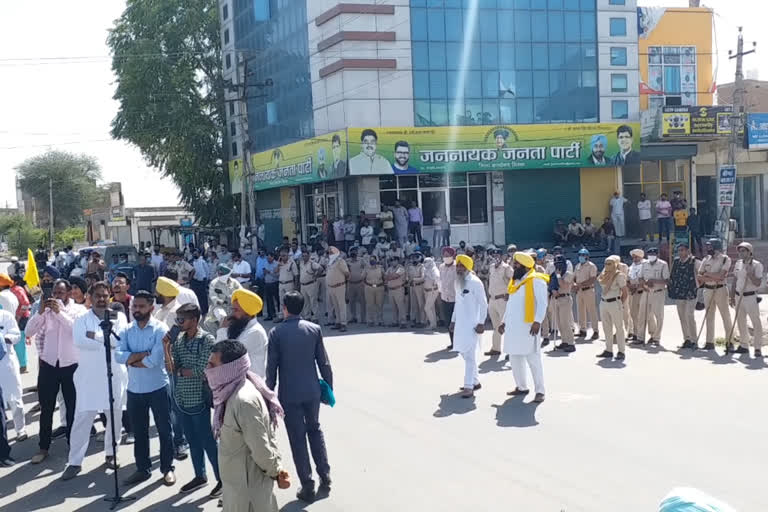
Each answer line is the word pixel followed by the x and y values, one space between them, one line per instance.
pixel 23 437
pixel 7 462
pixel 741 350
pixel 631 337
pixel 758 353
pixel 343 328
pixel 467 393
pixel 581 334
pixel 111 462
pixel 403 326
pixel 137 478
pixel 709 346
pixel 493 353
pixel 449 347
pixel 39 457
pixel 193 485
pixel 216 492
pixel 605 354
pixel 637 343
pixel 181 452
pixel 595 336
pixel 371 324
pixel 620 356
pixel 518 392
pixel 686 344
pixel 336 327
pixel 539 398
pixel 306 494
pixel 169 478
pixel 325 485
pixel 654 342
pixel 129 439
pixel 59 432
pixel 70 473
pixel 565 347
pixel 23 369
pixel 475 388
pixel 544 342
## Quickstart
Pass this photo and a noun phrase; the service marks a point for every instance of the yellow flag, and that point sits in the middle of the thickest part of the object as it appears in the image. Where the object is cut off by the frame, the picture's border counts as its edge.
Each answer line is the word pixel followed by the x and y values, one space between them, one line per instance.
pixel 31 277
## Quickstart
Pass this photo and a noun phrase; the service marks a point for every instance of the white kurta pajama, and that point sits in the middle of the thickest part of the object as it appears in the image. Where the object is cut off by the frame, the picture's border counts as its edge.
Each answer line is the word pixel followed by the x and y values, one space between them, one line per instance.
pixel 521 346
pixel 10 372
pixel 92 387
pixel 470 310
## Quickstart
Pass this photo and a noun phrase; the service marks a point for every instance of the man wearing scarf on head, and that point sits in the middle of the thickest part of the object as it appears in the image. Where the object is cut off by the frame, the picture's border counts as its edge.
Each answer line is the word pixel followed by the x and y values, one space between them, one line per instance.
pixel 243 325
pixel 244 421
pixel 521 327
pixel 468 320
pixel 612 281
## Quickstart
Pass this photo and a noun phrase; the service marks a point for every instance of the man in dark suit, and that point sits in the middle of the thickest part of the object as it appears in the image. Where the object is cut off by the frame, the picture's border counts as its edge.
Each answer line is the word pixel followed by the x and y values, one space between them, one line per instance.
pixel 626 155
pixel 339 166
pixel 296 352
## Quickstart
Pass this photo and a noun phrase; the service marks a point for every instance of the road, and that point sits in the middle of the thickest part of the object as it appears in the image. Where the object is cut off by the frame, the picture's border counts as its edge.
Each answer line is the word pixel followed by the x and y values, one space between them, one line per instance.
pixel 609 436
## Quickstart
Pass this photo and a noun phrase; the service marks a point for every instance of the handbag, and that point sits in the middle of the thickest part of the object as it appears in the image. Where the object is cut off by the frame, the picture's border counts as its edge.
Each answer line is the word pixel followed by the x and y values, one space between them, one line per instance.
pixel 326 394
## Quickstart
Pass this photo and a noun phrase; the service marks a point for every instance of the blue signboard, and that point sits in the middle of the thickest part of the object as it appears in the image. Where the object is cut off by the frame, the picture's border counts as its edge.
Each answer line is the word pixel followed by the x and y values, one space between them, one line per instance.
pixel 757 131
pixel 726 185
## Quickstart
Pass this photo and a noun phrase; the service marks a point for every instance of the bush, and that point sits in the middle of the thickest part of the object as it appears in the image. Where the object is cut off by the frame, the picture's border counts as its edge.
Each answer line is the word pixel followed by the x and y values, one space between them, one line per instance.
pixel 69 236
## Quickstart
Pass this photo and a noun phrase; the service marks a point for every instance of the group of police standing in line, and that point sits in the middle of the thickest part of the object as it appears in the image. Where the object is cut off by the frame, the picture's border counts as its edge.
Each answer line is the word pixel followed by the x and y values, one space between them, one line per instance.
pixel 631 303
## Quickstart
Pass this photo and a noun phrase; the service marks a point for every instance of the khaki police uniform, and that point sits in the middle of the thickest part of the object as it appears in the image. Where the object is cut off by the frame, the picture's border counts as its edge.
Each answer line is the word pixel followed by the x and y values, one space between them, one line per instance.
pixel 287 273
pixel 415 276
pixel 628 326
pixel 373 279
pixel 637 301
pixel 586 304
pixel 611 312
pixel 396 290
pixel 498 284
pixel 746 292
pixel 356 289
pixel 322 299
pixel 431 292
pixel 715 293
pixel 563 307
pixel 335 281
pixel 483 270
pixel 654 319
pixel 308 272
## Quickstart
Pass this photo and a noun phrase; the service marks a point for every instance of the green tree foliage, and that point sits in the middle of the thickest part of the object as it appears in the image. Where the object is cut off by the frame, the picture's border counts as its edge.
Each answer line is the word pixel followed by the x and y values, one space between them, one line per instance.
pixel 75 185
pixel 166 56
pixel 21 234
pixel 69 236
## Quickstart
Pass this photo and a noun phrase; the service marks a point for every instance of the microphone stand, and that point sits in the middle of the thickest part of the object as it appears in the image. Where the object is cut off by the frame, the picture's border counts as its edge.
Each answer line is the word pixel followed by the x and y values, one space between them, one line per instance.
pixel 106 327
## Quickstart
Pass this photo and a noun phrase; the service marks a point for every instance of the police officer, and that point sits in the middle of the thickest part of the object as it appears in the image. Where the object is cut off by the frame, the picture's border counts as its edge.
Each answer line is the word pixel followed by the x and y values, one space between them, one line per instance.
pixel 482 265
pixel 415 278
pixel 712 274
pixel 355 287
pixel 500 273
pixel 336 284
pixel 321 258
pixel 586 275
pixel 749 275
pixel 309 269
pixel 373 279
pixel 395 279
pixel 655 275
pixel 563 303
pixel 637 303
pixel 287 274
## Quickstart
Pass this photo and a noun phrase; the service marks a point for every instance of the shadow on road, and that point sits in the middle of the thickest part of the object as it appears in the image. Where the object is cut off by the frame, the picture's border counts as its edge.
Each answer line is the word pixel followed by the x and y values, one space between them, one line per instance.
pixel 494 364
pixel 514 412
pixel 611 364
pixel 439 355
pixel 454 404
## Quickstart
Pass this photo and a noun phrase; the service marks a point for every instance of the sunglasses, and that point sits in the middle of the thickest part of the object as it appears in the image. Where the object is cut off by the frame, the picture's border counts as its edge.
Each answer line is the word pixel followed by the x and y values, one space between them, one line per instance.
pixel 180 320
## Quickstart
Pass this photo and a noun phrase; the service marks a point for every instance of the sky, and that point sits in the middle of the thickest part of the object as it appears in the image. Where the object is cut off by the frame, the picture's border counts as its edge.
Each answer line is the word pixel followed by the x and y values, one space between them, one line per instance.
pixel 53 98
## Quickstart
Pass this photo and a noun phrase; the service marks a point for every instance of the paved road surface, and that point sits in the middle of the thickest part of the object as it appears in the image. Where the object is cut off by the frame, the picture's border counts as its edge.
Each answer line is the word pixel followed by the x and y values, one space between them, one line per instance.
pixel 609 436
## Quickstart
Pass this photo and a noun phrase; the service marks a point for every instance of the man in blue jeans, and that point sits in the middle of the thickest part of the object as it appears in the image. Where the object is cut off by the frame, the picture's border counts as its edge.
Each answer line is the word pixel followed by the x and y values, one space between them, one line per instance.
pixel 141 349
pixel 190 352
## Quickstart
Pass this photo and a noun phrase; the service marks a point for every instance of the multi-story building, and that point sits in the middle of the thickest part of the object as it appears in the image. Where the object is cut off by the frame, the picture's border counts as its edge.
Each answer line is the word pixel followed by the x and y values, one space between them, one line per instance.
pixel 479 110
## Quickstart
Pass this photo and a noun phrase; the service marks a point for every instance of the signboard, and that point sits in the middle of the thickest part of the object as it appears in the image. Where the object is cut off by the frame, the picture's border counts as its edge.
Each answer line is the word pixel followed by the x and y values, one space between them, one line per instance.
pixel 757 131
pixel 308 161
pixel 696 121
pixel 410 150
pixel 726 185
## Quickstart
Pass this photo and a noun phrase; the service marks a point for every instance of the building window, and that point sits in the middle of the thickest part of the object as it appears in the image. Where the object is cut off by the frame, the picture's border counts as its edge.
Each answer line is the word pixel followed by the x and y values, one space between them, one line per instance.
pixel 225 12
pixel 618 82
pixel 231 108
pixel 226 36
pixel 232 129
pixel 228 61
pixel 234 149
pixel 672 74
pixel 617 2
pixel 620 109
pixel 618 56
pixel 618 26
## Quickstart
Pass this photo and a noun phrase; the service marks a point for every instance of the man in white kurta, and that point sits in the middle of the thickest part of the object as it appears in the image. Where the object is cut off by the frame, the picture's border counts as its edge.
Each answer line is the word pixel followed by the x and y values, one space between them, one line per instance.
pixel 468 321
pixel 522 338
pixel 10 372
pixel 91 381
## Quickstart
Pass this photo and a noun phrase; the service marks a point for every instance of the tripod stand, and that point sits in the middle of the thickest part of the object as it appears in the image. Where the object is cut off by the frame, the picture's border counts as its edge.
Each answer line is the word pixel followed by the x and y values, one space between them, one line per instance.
pixel 106 327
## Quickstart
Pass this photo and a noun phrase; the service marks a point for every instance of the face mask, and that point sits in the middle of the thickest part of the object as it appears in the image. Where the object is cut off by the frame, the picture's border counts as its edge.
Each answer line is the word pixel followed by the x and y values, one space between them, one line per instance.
pixel 652 259
pixel 447 260
pixel 159 300
pixel 711 252
pixel 582 259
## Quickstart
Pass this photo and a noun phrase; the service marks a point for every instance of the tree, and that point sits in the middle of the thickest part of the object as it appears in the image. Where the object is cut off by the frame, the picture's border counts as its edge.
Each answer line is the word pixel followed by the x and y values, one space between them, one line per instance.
pixel 166 56
pixel 75 185
pixel 69 236
pixel 21 234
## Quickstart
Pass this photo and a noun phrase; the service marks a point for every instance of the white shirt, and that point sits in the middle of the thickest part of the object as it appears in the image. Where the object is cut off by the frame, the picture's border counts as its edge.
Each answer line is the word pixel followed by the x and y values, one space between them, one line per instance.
pixel 517 335
pixel 202 270
pixel 9 302
pixel 156 260
pixel 617 205
pixel 242 267
pixel 366 232
pixel 187 296
pixel 254 337
pixel 470 310
pixel 644 209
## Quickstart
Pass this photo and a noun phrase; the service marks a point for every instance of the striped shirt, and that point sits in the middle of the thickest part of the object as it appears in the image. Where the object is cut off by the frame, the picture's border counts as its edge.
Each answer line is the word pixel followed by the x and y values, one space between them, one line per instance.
pixel 191 354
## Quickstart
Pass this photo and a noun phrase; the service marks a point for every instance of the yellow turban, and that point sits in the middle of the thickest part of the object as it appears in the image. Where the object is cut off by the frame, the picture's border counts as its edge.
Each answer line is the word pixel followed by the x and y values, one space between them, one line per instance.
pixel 524 259
pixel 167 287
pixel 465 261
pixel 249 301
pixel 5 280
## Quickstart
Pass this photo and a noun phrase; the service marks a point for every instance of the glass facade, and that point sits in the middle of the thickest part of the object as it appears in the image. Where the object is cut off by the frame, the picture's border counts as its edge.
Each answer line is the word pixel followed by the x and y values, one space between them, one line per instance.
pixel 504 61
pixel 273 36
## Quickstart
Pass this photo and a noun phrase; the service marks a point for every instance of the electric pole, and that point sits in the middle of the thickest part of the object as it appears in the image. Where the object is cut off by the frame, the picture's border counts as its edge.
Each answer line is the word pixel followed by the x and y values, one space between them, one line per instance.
pixel 737 119
pixel 50 214
pixel 247 183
